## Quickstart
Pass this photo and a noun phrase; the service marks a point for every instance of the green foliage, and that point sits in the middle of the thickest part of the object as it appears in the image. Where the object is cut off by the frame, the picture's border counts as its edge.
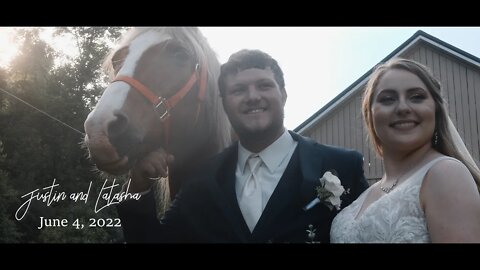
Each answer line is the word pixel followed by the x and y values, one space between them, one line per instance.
pixel 9 232
pixel 85 71
pixel 39 148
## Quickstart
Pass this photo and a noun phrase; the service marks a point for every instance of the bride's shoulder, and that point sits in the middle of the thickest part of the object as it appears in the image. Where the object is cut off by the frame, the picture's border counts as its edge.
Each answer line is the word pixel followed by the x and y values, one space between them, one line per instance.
pixel 444 167
pixel 448 176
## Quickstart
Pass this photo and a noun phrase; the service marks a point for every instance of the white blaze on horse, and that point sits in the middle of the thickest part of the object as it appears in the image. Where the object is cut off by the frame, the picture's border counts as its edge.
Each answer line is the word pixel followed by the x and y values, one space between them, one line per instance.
pixel 163 93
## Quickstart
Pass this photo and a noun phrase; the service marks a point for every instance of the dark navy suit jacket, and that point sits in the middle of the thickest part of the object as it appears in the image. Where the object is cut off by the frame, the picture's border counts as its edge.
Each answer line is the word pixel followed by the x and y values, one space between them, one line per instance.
pixel 206 209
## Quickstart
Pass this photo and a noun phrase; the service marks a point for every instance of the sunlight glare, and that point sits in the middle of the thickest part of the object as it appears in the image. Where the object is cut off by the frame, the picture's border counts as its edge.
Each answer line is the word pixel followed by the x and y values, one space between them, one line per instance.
pixel 8 46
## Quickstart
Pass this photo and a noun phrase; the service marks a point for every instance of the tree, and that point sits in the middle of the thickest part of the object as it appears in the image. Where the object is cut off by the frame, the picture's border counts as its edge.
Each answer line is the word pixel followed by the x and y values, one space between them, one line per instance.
pixel 40 148
pixel 85 71
pixel 9 232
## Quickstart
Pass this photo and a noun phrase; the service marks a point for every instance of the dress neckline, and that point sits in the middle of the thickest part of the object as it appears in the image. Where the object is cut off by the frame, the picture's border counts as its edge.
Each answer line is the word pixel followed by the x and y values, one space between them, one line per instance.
pixel 428 165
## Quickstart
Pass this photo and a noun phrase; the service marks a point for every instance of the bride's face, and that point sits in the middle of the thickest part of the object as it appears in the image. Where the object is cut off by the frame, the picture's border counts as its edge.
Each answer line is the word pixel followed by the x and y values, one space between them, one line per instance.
pixel 403 111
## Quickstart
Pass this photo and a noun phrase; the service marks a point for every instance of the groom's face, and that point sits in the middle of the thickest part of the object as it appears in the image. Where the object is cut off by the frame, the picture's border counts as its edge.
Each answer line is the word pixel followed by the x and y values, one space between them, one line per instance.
pixel 403 111
pixel 254 103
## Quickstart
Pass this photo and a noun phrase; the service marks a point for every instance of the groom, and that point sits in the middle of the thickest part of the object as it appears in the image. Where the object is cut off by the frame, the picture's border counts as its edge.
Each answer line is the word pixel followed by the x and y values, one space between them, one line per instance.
pixel 257 190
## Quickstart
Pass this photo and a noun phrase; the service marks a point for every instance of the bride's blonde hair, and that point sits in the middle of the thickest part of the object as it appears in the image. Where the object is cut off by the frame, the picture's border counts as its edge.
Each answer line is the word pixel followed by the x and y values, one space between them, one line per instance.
pixel 447 141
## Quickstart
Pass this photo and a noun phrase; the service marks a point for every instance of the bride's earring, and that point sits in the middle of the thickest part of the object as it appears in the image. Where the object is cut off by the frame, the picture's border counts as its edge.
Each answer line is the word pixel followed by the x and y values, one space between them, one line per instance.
pixel 435 138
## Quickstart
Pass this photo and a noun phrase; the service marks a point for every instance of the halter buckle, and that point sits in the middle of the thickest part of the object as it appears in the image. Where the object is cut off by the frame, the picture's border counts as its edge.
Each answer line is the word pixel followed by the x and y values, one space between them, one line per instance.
pixel 161 109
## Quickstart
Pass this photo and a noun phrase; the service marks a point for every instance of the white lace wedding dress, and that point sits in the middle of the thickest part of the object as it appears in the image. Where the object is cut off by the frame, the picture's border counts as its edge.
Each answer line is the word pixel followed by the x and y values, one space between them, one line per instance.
pixel 396 217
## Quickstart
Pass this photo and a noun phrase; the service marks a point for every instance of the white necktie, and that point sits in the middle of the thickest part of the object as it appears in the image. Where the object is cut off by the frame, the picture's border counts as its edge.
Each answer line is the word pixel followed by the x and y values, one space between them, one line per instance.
pixel 251 199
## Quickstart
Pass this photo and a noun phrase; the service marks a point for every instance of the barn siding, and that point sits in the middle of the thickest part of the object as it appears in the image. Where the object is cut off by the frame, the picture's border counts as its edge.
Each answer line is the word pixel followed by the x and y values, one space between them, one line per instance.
pixel 343 126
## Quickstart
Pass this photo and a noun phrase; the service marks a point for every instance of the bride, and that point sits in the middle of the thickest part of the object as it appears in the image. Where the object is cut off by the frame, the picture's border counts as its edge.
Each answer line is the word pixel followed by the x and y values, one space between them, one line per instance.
pixel 430 189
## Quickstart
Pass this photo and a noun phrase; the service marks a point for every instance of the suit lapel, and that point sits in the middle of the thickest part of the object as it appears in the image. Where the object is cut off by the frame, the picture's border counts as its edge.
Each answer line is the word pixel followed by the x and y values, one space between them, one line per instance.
pixel 311 166
pixel 276 209
pixel 222 188
pixel 291 190
pixel 295 189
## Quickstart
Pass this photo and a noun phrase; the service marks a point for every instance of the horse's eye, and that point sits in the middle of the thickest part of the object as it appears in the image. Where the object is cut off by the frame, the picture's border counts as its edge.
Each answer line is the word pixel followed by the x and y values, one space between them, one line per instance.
pixel 180 54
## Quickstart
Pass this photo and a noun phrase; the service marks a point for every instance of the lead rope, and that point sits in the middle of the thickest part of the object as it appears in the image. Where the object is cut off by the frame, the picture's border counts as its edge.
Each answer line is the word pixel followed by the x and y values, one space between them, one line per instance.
pixel 161 193
pixel 161 187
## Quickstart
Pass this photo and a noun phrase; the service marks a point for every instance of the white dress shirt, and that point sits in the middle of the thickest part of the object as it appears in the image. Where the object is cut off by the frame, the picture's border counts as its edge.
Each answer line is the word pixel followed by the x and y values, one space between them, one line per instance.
pixel 275 160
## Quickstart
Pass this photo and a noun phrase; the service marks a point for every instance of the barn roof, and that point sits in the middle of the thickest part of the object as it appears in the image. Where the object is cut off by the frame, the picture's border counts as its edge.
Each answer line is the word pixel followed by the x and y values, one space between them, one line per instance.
pixel 419 36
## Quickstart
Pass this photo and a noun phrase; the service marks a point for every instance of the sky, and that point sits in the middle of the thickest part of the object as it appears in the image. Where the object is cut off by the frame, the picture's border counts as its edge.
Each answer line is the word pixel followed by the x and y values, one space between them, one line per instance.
pixel 318 62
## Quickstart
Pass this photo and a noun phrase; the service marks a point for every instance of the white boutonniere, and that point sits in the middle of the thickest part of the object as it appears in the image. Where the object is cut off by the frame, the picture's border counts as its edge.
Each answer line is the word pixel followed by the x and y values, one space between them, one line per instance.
pixel 328 192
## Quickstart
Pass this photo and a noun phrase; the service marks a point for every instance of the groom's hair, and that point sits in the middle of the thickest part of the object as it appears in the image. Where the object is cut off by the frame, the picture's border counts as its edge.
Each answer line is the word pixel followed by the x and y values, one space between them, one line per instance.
pixel 246 59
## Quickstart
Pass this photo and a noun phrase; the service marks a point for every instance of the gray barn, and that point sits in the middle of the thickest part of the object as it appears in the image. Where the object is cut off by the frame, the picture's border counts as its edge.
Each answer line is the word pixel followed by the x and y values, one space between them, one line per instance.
pixel 340 121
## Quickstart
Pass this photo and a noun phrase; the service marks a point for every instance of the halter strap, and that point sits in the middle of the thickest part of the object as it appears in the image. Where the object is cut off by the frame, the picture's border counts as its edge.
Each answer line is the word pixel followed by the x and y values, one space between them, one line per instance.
pixel 162 106
pixel 202 91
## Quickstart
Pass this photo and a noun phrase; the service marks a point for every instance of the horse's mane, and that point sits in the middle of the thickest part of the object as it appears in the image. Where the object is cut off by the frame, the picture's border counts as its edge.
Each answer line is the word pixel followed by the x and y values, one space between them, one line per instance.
pixel 194 41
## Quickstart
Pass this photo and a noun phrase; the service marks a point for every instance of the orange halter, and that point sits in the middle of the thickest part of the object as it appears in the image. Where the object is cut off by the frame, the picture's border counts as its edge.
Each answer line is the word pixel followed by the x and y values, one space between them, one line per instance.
pixel 161 105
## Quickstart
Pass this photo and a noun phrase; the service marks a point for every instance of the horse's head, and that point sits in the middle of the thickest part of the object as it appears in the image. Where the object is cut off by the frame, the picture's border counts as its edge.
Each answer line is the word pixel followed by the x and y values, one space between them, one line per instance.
pixel 163 94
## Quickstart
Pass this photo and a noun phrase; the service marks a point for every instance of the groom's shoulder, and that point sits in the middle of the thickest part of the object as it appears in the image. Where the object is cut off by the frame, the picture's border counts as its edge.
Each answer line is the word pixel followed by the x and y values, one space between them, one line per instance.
pixel 340 150
pixel 325 148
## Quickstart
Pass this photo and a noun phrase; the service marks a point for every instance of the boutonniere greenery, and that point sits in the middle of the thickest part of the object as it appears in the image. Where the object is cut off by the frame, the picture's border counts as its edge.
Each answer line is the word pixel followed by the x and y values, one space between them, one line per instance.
pixel 328 192
pixel 311 235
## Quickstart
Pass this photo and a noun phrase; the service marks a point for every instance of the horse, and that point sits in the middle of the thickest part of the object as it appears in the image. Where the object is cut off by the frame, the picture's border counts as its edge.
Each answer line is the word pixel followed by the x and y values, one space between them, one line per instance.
pixel 163 93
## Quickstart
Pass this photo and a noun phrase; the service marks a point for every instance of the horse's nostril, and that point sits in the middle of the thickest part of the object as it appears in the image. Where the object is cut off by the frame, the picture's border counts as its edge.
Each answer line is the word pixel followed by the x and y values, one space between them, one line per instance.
pixel 122 136
pixel 118 126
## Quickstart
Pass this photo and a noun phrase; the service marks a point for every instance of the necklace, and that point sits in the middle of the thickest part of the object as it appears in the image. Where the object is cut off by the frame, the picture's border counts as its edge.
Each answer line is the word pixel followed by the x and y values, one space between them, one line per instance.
pixel 388 189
